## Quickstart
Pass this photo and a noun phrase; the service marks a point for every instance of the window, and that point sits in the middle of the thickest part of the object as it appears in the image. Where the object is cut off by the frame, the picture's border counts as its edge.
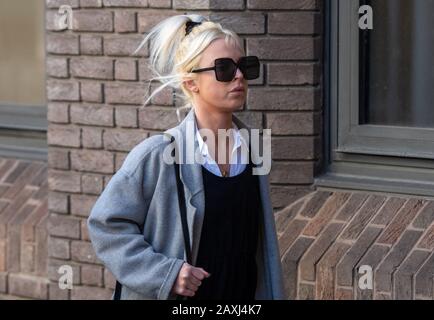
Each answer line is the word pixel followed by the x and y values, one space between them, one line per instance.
pixel 380 97
pixel 23 122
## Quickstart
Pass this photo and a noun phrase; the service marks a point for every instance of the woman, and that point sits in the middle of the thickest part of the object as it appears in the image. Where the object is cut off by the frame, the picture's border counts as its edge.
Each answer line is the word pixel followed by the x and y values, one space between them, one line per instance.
pixel 135 224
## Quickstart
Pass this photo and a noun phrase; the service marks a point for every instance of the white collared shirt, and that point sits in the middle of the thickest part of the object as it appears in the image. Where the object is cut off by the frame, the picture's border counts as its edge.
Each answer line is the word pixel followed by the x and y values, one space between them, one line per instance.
pixel 238 159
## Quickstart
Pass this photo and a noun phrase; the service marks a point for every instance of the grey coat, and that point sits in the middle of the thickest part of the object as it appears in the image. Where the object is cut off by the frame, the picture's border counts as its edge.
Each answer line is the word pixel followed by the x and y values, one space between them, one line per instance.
pixel 135 224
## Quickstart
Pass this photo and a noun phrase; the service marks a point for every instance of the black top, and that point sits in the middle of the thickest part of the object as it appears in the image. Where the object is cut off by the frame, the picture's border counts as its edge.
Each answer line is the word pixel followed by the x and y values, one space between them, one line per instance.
pixel 229 236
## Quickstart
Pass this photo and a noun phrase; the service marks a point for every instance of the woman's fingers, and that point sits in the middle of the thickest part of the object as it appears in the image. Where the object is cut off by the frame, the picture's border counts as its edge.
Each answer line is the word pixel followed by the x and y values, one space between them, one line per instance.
pixel 186 292
pixel 199 273
pixel 189 280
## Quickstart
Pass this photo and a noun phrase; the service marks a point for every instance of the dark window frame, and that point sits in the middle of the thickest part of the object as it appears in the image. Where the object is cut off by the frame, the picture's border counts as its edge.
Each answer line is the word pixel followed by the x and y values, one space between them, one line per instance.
pixel 365 157
pixel 23 132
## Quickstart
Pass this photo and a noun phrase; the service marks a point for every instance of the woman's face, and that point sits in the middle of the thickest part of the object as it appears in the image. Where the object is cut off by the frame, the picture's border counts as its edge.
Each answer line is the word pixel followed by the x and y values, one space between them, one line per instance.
pixel 212 94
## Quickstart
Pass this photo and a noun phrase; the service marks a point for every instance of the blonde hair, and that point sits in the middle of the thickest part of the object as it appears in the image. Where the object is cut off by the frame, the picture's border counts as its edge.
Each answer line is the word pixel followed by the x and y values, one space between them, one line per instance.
pixel 172 54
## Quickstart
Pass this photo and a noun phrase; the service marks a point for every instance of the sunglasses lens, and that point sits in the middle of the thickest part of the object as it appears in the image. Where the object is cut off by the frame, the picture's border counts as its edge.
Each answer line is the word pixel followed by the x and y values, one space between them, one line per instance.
pixel 224 69
pixel 249 66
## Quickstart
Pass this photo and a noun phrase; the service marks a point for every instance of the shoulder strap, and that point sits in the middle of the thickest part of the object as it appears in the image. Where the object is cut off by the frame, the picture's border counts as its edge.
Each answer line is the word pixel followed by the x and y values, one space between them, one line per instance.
pixel 183 212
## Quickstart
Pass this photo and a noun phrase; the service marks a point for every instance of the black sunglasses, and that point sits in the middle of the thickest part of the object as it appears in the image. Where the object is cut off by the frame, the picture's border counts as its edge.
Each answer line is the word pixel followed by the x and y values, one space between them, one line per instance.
pixel 225 68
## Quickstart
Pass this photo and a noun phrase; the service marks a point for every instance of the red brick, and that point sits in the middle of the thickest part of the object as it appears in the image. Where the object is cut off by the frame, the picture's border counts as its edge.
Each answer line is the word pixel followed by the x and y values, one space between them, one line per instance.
pixel 124 45
pixel 59 248
pixel 126 3
pixel 125 93
pixel 283 99
pixel 28 286
pixel 59 43
pixel 279 48
pixel 81 204
pixel 92 67
pixel 346 267
pixel 109 279
pixel 292 148
pixel 293 73
pixel 61 135
pixel 401 221
pixel 58 202
pixel 147 19
pixel 91 91
pixel 64 226
pixel 55 293
pixel 119 159
pixel 58 3
pixel 123 139
pixel 93 20
pixel 126 116
pixel 91 293
pixel 94 114
pixel 125 21
pixel 427 242
pixel 90 3
pixel 282 4
pixel 91 44
pixel 92 183
pixel 58 158
pixel 126 70
pixel 63 90
pixel 326 214
pixel 294 23
pixel 64 181
pixel 296 172
pixel 318 248
pixel 160 3
pixel 403 277
pixel 325 271
pixel 57 67
pixel 92 160
pixel 363 217
pixel 92 137
pixel 289 266
pixel 241 22
pixel 82 251
pixel 92 275
pixel 157 118
pixel 58 112
pixel 207 4
pixel 385 271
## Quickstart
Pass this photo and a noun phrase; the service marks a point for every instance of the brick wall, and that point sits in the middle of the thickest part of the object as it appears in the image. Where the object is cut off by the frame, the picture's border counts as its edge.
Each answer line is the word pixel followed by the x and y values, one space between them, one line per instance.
pixel 23 232
pixel 95 90
pixel 326 236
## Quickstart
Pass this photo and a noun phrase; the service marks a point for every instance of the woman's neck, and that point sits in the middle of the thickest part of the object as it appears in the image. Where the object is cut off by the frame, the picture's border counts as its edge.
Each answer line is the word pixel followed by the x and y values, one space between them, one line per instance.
pixel 213 120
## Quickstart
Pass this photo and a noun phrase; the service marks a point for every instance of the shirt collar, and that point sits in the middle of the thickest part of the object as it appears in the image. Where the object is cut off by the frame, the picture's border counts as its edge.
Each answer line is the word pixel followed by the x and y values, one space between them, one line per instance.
pixel 238 140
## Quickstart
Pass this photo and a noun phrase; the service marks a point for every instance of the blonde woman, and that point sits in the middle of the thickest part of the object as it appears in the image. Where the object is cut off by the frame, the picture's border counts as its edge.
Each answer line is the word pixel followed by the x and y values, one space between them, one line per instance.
pixel 135 224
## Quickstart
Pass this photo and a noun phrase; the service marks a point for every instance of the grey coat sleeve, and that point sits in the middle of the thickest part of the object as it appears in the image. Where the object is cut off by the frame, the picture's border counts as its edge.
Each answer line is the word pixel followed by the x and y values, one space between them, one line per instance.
pixel 115 224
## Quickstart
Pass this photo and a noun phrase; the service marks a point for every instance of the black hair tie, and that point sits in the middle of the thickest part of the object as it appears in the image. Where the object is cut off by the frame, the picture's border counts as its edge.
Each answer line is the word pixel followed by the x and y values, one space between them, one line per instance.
pixel 190 25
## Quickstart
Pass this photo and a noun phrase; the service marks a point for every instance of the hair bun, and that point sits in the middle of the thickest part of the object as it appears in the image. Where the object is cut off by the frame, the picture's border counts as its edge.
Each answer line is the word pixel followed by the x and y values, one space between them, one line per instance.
pixel 190 25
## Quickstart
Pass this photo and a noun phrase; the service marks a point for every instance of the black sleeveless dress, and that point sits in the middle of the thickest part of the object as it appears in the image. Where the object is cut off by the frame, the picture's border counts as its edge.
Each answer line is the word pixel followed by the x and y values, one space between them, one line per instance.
pixel 229 236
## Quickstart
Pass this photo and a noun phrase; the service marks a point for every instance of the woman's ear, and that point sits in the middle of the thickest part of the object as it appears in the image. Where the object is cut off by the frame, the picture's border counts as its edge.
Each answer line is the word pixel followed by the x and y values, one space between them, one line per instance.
pixel 191 85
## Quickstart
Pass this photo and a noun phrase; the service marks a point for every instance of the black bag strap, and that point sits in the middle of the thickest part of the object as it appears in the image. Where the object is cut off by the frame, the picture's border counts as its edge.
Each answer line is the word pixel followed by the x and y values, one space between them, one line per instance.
pixel 183 213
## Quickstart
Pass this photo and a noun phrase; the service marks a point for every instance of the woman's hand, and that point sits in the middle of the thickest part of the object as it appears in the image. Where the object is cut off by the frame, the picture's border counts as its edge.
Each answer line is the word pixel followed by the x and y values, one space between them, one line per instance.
pixel 189 279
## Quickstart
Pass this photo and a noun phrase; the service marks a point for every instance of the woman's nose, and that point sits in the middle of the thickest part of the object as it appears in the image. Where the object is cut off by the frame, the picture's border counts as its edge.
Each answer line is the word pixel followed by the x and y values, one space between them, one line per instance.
pixel 238 74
